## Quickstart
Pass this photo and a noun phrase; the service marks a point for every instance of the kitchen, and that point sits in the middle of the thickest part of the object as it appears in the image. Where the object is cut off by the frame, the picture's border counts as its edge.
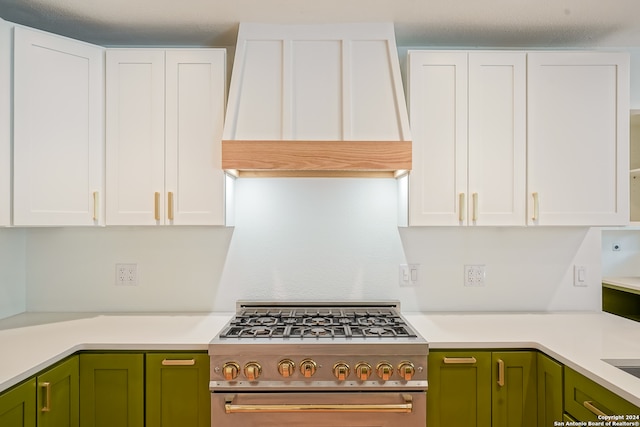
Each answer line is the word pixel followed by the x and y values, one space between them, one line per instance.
pixel 313 239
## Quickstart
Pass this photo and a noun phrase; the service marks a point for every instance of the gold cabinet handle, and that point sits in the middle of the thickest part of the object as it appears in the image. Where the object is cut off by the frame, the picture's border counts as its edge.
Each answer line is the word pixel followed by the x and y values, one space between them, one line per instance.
pixel 178 362
pixel 156 206
pixel 500 372
pixel 47 397
pixel 459 360
pixel 406 407
pixel 536 207
pixel 170 205
pixel 461 207
pixel 96 201
pixel 591 407
pixel 474 198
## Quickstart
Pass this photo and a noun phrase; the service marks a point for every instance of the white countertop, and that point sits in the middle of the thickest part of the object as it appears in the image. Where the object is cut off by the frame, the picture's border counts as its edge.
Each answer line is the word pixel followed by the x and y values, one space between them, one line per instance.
pixel 629 282
pixel 33 341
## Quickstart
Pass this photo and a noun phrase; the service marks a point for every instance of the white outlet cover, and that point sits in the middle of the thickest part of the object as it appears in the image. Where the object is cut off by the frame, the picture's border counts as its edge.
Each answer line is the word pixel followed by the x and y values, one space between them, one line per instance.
pixel 474 275
pixel 127 274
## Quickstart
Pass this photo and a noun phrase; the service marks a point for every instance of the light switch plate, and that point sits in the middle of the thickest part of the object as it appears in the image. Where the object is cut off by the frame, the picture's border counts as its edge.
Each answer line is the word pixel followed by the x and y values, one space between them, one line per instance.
pixel 409 274
pixel 579 275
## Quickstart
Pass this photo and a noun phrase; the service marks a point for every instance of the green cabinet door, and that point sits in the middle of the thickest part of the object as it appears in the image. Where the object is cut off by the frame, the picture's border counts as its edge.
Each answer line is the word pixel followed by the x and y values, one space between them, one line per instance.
pixel 112 390
pixel 58 394
pixel 459 389
pixel 514 394
pixel 177 390
pixel 550 404
pixel 18 406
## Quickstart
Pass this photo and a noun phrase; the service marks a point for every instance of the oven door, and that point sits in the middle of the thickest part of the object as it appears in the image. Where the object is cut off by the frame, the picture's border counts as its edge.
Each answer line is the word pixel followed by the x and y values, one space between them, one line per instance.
pixel 319 409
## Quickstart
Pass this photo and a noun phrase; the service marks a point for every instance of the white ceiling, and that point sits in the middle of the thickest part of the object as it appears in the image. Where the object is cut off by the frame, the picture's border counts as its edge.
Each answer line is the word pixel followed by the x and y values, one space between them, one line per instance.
pixel 468 23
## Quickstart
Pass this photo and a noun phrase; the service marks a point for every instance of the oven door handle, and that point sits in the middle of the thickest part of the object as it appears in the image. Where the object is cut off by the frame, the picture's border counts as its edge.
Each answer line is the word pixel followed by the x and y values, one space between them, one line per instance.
pixel 406 407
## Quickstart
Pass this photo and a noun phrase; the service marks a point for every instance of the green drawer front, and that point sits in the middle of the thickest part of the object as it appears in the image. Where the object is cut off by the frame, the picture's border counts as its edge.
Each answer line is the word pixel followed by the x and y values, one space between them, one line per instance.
pixel 459 393
pixel 578 389
pixel 177 393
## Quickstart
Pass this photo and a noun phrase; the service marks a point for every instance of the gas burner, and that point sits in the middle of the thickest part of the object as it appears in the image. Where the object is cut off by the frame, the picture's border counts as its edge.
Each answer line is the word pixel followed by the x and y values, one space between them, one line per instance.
pixel 318 332
pixel 316 321
pixel 374 321
pixel 379 332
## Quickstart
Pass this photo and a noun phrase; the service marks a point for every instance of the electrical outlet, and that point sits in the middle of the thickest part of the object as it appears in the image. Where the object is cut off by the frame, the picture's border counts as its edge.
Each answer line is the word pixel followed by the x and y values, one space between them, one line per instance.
pixel 474 275
pixel 408 274
pixel 127 274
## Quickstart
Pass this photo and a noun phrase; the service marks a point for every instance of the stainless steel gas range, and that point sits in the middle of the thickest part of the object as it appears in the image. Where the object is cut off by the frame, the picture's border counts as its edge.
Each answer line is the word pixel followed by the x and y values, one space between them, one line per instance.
pixel 318 364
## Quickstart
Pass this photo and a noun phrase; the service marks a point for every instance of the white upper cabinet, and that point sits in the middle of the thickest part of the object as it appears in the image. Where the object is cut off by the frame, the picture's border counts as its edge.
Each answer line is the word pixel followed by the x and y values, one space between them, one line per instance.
pixel 164 121
pixel 58 130
pixel 578 138
pixel 6 47
pixel 468 121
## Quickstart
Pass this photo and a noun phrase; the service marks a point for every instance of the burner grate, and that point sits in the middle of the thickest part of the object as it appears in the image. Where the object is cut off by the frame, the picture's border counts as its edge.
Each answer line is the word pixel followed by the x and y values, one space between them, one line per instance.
pixel 319 323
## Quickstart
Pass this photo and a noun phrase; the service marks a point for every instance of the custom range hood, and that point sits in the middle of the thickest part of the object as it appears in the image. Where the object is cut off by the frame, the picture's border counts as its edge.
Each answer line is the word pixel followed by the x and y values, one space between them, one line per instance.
pixel 316 100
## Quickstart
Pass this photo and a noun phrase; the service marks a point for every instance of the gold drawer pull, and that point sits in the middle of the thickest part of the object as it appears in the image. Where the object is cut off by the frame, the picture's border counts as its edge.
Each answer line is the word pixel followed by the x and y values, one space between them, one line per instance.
pixel 500 372
pixel 156 206
pixel 178 362
pixel 459 360
pixel 536 207
pixel 47 397
pixel 406 407
pixel 474 196
pixel 591 407
pixel 96 201
pixel 170 205
pixel 461 207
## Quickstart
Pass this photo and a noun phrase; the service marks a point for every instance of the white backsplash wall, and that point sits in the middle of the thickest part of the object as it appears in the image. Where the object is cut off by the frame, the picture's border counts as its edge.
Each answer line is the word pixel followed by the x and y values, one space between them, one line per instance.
pixel 12 272
pixel 310 239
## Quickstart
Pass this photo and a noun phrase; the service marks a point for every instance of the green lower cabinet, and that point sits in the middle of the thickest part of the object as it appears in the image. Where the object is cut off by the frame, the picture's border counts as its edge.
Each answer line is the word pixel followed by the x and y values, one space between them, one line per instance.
pixel 459 389
pixel 514 395
pixel 18 406
pixel 482 389
pixel 112 390
pixel 57 395
pixel 585 400
pixel 177 390
pixel 550 391
pixel 145 389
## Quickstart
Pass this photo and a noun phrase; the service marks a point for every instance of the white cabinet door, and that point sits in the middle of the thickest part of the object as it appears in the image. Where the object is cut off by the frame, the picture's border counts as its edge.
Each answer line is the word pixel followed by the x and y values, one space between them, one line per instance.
pixel 437 93
pixel 58 130
pixel 578 138
pixel 195 102
pixel 497 138
pixel 165 113
pixel 467 113
pixel 6 32
pixel 135 136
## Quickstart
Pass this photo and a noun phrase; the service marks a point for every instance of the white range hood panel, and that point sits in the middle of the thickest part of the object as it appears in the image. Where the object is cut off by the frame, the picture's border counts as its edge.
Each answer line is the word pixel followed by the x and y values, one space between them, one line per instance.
pixel 314 83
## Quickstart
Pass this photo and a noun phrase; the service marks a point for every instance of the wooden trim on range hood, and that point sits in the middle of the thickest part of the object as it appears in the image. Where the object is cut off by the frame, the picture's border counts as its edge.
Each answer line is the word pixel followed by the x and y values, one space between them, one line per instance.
pixel 316 158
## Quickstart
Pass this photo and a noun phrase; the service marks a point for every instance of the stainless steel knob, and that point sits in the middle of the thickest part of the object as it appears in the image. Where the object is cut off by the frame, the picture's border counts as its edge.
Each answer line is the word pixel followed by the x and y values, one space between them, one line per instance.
pixel 363 371
pixel 252 371
pixel 341 371
pixel 384 370
pixel 406 370
pixel 286 367
pixel 308 368
pixel 230 371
